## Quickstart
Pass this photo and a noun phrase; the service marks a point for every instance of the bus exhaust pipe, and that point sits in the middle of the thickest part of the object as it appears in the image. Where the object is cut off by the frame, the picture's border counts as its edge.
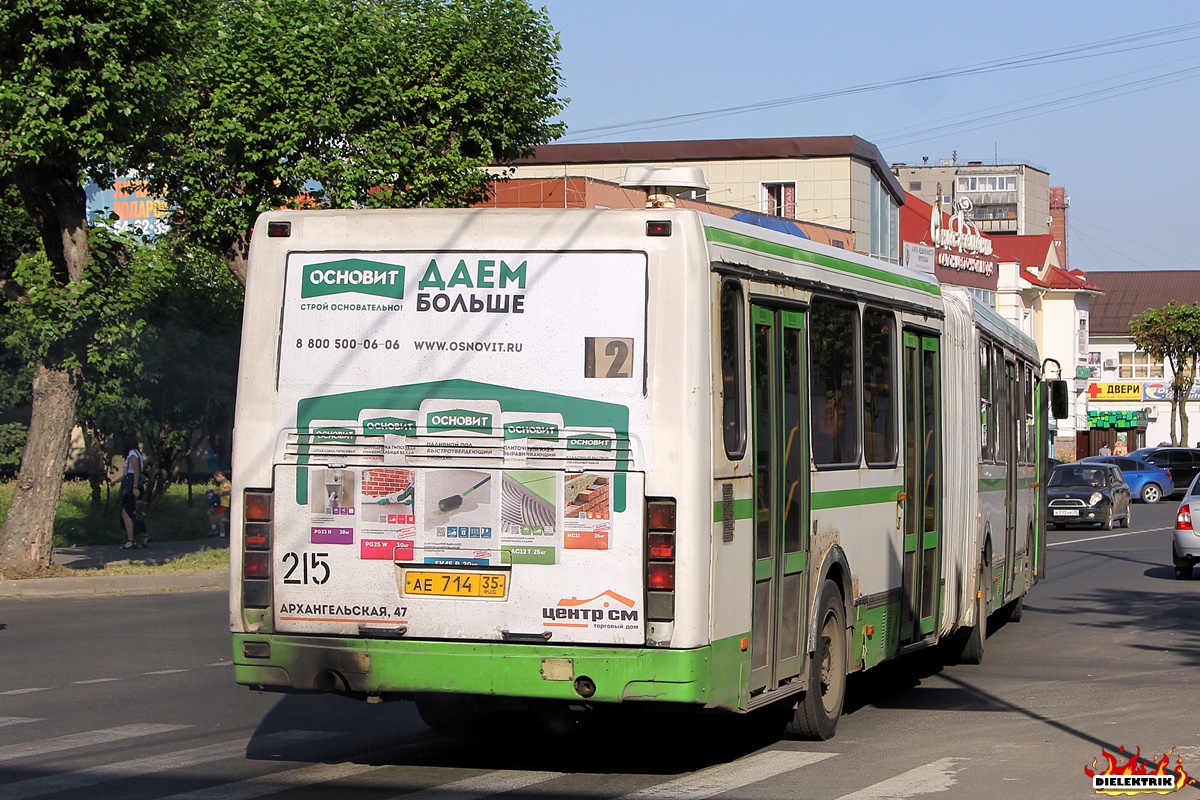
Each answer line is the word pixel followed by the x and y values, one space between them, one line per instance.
pixel 585 687
pixel 329 681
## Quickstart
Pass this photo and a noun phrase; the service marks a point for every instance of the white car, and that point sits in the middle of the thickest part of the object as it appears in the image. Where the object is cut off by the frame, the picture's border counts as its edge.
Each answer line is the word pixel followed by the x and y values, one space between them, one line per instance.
pixel 1185 549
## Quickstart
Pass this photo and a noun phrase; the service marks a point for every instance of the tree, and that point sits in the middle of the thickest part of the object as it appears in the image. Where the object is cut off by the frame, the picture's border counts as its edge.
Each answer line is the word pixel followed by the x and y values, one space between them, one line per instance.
pixel 1172 334
pixel 342 103
pixel 80 85
pixel 189 362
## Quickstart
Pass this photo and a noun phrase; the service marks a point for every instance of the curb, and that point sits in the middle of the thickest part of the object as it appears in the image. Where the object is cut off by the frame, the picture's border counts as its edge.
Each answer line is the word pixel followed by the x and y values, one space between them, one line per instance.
pixel 117 584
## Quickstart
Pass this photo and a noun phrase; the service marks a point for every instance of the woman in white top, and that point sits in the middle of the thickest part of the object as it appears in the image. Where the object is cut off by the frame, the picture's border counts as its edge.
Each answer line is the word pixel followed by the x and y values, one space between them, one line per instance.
pixel 131 482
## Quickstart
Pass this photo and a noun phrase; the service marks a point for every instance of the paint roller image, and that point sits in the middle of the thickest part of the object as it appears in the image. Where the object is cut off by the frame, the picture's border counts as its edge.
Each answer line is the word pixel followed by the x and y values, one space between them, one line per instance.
pixel 455 500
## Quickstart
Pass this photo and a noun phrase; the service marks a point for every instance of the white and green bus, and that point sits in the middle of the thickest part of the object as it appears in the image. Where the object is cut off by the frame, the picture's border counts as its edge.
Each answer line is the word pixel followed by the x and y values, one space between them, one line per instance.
pixel 555 459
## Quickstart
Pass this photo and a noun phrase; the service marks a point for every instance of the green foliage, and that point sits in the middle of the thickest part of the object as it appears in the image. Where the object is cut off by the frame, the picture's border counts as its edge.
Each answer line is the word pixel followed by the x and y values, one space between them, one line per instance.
pixel 342 102
pixel 92 324
pixel 81 82
pixel 189 364
pixel 12 446
pixel 18 235
pixel 1172 334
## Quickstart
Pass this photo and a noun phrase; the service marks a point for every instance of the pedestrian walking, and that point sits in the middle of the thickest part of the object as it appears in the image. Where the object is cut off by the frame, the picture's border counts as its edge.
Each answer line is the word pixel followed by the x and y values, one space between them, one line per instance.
pixel 218 512
pixel 133 481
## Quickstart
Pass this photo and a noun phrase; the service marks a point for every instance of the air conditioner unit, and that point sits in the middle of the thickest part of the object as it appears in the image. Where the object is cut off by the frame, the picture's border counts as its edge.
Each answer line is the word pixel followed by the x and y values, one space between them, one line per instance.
pixel 1110 363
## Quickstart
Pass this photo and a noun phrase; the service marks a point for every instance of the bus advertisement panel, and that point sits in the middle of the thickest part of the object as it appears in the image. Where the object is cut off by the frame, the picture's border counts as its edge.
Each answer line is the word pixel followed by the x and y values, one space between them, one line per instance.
pixel 423 489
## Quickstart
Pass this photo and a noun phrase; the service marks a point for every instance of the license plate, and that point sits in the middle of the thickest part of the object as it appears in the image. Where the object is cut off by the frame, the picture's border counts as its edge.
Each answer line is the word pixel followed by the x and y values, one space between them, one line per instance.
pixel 423 583
pixel 1066 512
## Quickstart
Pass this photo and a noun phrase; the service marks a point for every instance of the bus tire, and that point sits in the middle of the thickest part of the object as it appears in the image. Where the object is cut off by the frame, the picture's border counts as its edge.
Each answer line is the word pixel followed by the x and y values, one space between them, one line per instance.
pixel 1015 610
pixel 817 713
pixel 446 713
pixel 972 647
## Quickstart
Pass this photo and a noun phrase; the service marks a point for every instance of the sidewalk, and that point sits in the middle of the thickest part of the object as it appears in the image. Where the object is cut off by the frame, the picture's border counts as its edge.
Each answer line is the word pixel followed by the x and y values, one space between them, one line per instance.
pixel 96 557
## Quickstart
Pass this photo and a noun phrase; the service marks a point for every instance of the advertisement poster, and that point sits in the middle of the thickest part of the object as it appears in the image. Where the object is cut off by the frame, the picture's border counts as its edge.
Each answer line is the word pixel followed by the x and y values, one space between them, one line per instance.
pixel 460 466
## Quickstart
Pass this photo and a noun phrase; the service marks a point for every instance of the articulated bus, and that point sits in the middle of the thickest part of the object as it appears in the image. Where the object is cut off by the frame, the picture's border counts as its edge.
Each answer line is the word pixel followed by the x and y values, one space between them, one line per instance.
pixel 587 459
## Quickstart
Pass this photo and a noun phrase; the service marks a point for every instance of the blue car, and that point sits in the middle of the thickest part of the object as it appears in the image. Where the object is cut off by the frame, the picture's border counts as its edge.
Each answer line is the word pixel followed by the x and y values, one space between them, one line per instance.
pixel 1146 481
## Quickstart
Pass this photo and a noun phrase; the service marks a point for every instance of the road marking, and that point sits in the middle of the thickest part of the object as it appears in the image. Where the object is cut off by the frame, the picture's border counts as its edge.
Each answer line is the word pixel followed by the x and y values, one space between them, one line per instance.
pixel 489 783
pixel 136 768
pixel 18 720
pixel 1108 536
pixel 725 777
pixel 27 691
pixel 164 672
pixel 279 781
pixel 96 680
pixel 59 743
pixel 935 777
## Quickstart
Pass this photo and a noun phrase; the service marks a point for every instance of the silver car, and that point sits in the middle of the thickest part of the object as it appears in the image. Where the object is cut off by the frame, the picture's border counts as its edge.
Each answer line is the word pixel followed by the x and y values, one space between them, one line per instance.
pixel 1185 549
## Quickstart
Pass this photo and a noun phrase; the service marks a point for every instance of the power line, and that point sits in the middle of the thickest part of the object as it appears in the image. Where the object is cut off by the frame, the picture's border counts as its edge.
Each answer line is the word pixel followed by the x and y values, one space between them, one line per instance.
pixel 1088 50
pixel 1037 109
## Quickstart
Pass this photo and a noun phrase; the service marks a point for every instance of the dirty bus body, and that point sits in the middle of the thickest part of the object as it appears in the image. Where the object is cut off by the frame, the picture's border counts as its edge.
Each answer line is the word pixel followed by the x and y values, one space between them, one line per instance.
pixel 583 458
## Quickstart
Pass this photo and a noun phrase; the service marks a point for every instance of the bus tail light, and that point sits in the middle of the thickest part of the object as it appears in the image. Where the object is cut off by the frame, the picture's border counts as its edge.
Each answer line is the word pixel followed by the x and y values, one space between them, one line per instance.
pixel 1184 521
pixel 256 548
pixel 662 577
pixel 660 560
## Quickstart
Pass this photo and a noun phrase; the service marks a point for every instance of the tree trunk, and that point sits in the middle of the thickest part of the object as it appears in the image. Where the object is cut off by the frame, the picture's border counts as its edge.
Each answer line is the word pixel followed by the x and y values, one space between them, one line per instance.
pixel 26 540
pixel 1187 395
pixel 235 256
pixel 1174 417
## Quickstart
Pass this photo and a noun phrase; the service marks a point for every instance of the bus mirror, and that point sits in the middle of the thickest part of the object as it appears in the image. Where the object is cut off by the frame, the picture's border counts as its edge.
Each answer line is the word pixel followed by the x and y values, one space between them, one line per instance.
pixel 1058 399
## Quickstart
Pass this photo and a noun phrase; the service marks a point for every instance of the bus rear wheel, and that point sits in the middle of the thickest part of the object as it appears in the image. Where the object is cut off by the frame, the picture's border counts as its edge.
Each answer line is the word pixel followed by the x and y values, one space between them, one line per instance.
pixel 446 713
pixel 972 644
pixel 817 713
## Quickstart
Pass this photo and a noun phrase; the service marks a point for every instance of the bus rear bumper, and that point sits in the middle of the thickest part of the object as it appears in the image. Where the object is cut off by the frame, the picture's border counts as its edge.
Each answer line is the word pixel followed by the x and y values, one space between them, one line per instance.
pixel 383 668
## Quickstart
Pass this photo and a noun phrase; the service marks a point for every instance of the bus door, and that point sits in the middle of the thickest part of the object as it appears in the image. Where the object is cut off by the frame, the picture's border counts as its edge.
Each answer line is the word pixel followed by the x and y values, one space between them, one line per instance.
pixel 922 486
pixel 1008 420
pixel 781 498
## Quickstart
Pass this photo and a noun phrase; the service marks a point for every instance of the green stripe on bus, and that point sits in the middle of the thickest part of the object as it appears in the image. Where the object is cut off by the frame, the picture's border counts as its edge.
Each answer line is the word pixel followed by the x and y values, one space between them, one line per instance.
pixel 742 509
pixel 798 254
pixel 855 497
pixel 992 484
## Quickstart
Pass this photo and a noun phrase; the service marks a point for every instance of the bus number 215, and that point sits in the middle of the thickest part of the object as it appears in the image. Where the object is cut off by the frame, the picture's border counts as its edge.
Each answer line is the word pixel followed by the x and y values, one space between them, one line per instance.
pixel 313 568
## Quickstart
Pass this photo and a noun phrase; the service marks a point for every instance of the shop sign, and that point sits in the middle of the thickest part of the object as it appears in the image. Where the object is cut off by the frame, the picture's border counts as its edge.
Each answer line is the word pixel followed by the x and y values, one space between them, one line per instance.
pixel 1131 390
pixel 958 233
pixel 961 262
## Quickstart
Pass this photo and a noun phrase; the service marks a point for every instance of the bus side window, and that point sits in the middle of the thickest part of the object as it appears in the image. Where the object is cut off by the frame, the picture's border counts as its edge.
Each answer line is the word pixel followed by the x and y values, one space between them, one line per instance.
pixel 733 358
pixel 986 424
pixel 835 396
pixel 879 407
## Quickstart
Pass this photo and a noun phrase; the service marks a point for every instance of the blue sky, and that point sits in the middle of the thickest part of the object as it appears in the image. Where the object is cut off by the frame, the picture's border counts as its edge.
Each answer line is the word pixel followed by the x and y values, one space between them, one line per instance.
pixel 1103 95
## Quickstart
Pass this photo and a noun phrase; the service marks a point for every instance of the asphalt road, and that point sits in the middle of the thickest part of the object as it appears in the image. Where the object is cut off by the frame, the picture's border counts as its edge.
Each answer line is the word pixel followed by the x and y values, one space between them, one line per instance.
pixel 132 697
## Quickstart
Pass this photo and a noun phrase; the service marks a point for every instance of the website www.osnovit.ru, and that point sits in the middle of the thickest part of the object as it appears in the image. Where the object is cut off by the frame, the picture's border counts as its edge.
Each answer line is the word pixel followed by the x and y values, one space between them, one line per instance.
pixel 467 347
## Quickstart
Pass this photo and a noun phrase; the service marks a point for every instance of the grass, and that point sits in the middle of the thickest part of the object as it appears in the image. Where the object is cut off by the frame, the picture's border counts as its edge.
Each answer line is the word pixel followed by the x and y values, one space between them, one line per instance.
pixel 177 517
pixel 206 559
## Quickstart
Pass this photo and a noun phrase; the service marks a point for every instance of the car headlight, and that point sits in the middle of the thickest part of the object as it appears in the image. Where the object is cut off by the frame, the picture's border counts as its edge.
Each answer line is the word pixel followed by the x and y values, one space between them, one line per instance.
pixel 1095 498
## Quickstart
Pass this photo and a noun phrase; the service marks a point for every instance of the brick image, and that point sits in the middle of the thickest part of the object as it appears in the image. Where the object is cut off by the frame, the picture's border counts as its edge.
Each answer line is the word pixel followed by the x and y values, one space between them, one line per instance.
pixel 382 482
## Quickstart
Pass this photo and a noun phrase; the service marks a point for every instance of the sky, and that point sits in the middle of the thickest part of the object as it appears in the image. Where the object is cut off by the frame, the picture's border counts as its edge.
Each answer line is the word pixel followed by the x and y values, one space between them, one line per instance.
pixel 1104 96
